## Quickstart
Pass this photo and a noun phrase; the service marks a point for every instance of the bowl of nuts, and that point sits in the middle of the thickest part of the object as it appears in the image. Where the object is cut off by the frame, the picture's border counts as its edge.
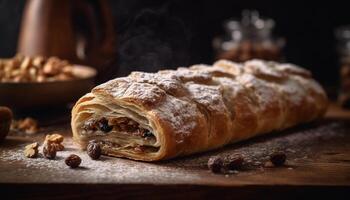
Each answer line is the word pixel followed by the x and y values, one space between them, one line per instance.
pixel 37 82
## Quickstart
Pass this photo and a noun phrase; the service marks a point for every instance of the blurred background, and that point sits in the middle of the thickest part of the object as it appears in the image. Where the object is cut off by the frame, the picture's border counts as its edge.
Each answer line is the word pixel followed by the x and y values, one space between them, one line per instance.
pixel 152 35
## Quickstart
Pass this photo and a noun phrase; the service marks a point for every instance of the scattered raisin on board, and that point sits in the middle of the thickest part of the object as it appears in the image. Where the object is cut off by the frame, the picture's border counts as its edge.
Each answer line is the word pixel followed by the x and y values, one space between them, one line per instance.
pixel 94 150
pixel 233 162
pixel 73 161
pixel 49 151
pixel 278 158
pixel 215 164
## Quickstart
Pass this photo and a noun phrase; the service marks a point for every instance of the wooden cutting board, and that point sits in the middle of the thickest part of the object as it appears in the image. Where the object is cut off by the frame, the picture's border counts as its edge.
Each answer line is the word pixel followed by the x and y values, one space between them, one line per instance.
pixel 318 162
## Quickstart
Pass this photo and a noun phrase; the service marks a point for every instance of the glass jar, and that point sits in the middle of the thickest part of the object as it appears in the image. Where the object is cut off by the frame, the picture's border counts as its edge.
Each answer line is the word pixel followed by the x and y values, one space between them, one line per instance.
pixel 249 38
pixel 343 48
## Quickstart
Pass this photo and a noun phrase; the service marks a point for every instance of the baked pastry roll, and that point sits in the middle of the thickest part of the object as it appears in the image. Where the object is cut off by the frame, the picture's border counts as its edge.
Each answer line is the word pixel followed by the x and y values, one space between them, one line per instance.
pixel 156 116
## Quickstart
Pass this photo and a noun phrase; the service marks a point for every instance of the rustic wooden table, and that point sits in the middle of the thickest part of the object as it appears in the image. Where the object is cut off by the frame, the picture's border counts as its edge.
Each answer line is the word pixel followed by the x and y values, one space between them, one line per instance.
pixel 318 163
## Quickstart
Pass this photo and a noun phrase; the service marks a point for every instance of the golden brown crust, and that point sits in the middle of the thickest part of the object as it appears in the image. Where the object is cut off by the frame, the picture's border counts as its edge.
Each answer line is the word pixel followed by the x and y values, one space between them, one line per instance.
pixel 205 107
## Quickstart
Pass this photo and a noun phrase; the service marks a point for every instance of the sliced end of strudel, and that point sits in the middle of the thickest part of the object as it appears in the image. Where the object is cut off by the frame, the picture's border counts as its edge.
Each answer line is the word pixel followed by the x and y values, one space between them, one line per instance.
pixel 120 129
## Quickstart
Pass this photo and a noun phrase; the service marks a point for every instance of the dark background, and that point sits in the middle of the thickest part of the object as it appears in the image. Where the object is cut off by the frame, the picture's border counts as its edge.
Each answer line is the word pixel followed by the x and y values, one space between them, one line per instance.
pixel 166 34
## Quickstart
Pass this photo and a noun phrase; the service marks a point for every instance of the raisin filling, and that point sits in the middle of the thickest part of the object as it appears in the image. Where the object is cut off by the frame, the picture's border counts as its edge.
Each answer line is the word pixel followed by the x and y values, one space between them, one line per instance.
pixel 122 126
pixel 126 125
pixel 103 125
pixel 94 125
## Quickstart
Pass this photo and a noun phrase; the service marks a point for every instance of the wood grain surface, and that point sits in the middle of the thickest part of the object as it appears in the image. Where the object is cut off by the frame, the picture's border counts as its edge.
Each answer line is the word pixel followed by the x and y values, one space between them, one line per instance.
pixel 318 163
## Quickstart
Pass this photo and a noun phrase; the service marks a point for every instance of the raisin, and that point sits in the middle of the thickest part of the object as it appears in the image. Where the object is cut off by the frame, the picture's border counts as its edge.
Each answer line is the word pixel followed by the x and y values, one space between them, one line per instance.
pixel 49 151
pixel 147 133
pixel 90 125
pixel 94 150
pixel 215 164
pixel 103 125
pixel 278 158
pixel 73 161
pixel 234 162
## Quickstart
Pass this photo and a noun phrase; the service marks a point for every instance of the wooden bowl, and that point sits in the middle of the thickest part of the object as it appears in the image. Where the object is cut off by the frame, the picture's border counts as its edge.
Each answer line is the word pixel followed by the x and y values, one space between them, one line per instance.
pixel 35 95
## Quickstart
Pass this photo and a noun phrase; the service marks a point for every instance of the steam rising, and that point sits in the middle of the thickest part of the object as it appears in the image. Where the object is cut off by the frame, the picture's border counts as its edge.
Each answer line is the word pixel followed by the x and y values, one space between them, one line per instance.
pixel 153 40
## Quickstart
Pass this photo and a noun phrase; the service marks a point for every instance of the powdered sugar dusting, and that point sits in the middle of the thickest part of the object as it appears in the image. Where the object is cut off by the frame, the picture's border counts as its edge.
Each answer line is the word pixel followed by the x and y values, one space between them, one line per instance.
pixel 180 114
pixel 294 91
pixel 265 93
pixel 208 96
pixel 310 85
pixel 166 82
pixel 106 169
pixel 263 68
